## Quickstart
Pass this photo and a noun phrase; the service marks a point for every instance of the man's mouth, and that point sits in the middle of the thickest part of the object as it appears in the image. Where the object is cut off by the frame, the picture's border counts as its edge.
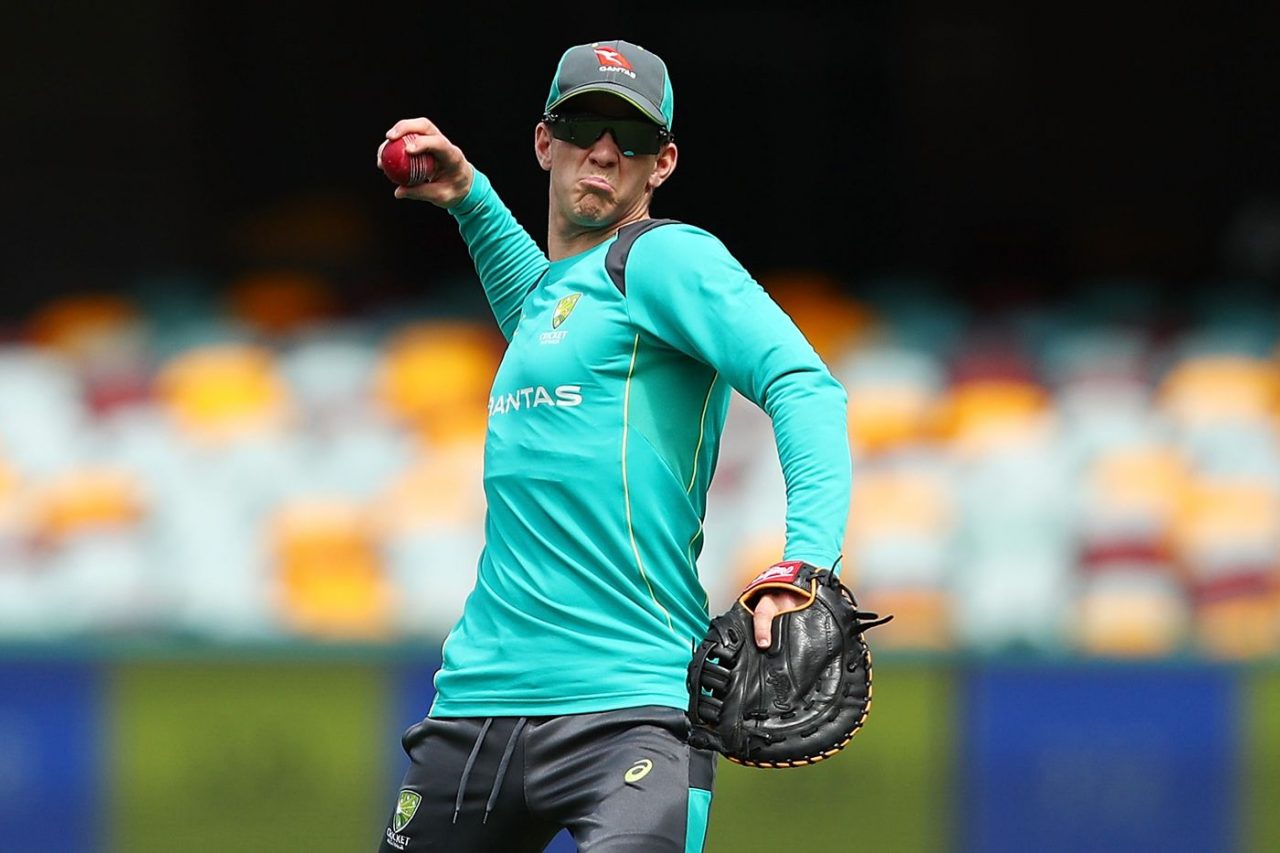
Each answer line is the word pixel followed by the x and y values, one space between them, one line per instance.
pixel 596 182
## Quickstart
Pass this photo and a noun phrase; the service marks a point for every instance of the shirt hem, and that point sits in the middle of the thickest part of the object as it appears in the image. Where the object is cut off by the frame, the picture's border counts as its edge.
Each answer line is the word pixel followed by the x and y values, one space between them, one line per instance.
pixel 529 707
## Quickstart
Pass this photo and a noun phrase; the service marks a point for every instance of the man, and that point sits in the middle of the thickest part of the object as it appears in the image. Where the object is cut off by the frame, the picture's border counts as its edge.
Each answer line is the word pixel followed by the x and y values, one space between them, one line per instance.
pixel 561 698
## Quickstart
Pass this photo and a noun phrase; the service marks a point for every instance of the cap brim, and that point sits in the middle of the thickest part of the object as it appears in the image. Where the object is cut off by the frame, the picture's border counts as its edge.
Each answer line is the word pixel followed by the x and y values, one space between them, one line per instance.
pixel 650 110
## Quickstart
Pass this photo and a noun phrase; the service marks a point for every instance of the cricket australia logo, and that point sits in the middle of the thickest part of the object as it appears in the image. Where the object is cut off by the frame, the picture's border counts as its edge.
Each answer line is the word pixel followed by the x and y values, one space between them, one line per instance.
pixel 564 308
pixel 406 807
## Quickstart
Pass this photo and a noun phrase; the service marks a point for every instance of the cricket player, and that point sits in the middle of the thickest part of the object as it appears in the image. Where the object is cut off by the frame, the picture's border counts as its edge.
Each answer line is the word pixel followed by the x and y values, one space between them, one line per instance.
pixel 561 698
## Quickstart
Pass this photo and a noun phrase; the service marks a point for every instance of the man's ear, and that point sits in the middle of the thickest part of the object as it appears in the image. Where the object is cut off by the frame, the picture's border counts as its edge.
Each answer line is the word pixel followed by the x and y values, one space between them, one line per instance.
pixel 542 146
pixel 664 166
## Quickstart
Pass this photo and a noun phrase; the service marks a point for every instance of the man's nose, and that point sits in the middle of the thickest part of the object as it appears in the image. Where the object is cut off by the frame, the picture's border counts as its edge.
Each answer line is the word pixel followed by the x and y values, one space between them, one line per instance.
pixel 605 150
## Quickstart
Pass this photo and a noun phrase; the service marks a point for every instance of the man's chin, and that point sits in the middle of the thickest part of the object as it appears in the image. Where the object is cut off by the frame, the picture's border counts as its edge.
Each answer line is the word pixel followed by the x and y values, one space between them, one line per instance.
pixel 593 215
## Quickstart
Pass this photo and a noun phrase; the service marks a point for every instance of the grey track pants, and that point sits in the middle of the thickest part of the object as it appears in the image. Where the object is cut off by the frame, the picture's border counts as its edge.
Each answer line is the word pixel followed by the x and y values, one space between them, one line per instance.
pixel 621 781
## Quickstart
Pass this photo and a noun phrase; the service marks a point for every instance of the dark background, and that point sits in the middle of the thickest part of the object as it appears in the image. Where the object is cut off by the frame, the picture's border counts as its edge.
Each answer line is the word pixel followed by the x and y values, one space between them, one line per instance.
pixel 1009 148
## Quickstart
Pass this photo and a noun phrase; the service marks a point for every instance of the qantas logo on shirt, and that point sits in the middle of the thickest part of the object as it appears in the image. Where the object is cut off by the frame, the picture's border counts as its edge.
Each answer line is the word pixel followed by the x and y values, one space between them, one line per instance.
pixel 563 396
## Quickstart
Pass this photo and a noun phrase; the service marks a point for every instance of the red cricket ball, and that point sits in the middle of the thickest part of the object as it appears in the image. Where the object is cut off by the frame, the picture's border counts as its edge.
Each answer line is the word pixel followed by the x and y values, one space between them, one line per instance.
pixel 407 170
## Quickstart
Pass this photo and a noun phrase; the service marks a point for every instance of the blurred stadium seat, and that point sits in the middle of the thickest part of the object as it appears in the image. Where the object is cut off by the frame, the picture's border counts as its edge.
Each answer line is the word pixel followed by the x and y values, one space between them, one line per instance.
pixel 8 482
pixel 279 302
pixel 893 394
pixel 1220 388
pixel 817 303
pixel 44 423
pixel 219 393
pixel 983 415
pixel 1131 613
pixel 330 369
pixel 84 501
pixel 328 569
pixel 430 520
pixel 435 377
pixel 76 326
pixel 898 547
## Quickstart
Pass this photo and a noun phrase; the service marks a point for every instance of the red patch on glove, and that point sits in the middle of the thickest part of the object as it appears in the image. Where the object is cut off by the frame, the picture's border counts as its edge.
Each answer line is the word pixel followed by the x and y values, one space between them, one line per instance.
pixel 785 572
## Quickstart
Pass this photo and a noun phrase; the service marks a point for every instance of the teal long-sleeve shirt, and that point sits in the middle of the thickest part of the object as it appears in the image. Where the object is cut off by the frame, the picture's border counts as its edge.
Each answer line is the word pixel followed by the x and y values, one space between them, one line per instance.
pixel 604 426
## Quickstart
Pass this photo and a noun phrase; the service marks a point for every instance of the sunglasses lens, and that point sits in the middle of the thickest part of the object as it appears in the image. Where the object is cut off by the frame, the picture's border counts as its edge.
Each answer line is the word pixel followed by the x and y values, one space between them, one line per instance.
pixel 632 137
pixel 639 137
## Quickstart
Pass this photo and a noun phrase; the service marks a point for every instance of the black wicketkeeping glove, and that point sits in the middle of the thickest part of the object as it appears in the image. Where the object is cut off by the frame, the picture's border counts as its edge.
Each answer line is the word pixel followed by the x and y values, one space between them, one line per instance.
pixel 797 702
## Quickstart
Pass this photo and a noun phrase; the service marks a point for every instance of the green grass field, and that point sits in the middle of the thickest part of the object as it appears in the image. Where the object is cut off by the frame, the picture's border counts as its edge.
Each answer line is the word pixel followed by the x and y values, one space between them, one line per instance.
pixel 887 791
pixel 213 758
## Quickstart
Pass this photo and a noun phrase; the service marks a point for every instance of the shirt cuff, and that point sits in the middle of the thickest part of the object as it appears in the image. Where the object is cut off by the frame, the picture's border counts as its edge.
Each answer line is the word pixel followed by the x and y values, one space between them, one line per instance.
pixel 475 198
pixel 813 558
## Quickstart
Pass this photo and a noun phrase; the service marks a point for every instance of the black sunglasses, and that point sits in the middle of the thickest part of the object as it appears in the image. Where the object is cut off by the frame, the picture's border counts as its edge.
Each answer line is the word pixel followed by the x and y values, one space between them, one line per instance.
pixel 634 136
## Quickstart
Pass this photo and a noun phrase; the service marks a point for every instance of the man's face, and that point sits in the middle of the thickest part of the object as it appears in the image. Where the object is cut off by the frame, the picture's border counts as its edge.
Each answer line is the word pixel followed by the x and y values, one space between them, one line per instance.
pixel 596 186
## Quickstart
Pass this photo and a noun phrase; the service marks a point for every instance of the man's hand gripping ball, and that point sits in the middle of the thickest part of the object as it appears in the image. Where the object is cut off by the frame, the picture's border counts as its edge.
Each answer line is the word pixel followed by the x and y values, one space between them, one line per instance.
pixel 424 164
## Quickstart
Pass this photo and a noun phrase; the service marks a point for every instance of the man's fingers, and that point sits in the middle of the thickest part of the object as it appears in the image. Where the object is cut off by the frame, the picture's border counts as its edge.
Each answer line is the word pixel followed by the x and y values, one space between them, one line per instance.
pixel 419 141
pixel 766 609
pixel 769 605
pixel 411 125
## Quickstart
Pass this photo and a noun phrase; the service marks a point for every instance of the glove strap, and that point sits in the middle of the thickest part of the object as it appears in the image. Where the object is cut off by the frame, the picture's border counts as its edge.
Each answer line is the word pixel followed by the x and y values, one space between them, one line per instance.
pixel 797 575
pixel 791 575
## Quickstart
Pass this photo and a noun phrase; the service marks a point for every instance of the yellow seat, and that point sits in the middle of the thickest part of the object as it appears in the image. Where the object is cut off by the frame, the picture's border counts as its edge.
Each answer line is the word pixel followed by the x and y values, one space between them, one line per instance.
pixel 985 414
pixel 331 578
pixel 436 377
pixel 8 481
pixel 85 500
pixel 9 485
pixel 1116 620
pixel 1220 516
pixel 1213 389
pixel 1142 487
pixel 883 418
pixel 1150 479
pixel 223 392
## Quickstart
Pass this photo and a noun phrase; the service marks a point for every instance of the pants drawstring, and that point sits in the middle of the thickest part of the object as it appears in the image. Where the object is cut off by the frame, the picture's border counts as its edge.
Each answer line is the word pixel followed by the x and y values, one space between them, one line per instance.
pixel 466 770
pixel 502 767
